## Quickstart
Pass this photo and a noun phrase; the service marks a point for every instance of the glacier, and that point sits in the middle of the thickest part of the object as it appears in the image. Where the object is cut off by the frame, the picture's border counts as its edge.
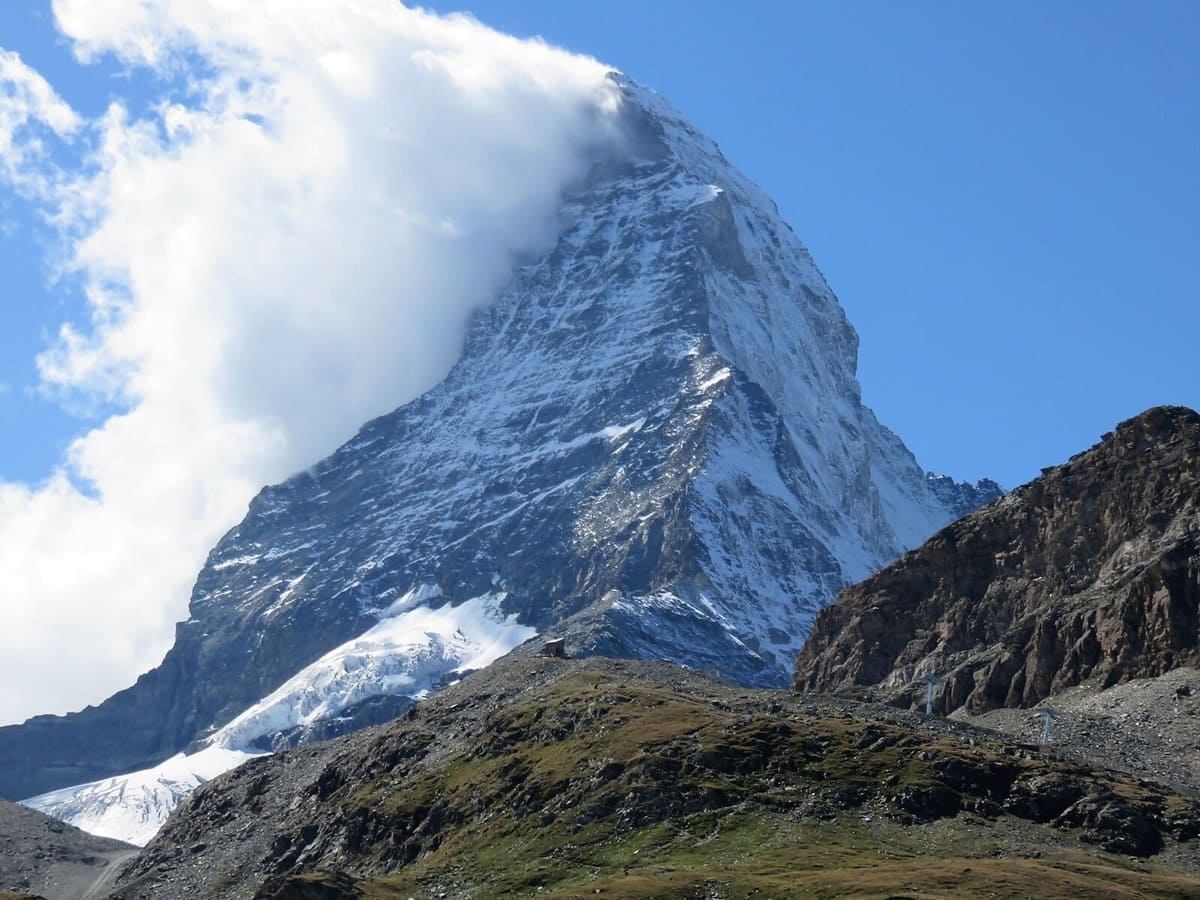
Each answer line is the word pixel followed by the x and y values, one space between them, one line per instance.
pixel 410 652
pixel 133 807
pixel 654 445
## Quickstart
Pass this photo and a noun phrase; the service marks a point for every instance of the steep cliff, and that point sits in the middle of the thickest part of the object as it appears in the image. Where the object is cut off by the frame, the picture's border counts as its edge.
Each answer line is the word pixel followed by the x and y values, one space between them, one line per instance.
pixel 1090 571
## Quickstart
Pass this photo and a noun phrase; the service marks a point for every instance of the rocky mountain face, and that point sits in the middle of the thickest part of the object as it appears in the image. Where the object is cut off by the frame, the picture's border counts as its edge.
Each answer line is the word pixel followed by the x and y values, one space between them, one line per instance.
pixel 1091 571
pixel 568 778
pixel 654 446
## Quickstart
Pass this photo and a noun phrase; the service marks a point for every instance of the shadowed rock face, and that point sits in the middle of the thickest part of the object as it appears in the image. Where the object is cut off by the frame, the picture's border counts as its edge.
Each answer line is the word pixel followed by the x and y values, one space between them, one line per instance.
pixel 1090 570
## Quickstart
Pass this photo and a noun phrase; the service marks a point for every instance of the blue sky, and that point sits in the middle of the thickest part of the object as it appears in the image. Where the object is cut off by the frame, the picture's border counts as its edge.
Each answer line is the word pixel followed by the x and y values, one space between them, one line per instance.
pixel 1004 196
pixel 34 298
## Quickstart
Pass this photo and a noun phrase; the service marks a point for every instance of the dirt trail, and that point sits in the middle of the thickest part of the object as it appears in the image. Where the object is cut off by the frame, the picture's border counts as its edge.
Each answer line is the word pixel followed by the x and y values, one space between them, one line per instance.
pixel 108 876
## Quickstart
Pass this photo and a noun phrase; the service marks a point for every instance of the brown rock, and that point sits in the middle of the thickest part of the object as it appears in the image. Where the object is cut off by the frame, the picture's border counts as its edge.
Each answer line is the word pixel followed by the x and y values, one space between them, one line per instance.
pixel 1092 569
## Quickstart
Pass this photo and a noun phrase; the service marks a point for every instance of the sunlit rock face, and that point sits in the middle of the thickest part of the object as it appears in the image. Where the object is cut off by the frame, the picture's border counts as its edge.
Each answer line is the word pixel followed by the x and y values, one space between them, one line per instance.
pixel 653 445
pixel 1089 573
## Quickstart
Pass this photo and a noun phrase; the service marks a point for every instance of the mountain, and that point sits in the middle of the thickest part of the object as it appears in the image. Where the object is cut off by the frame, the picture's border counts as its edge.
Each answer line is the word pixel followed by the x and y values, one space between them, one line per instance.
pixel 572 778
pixel 1090 572
pixel 40 856
pixel 653 445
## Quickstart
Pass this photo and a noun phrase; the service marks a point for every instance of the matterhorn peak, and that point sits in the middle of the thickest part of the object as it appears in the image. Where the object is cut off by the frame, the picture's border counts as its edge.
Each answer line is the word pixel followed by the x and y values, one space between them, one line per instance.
pixel 654 445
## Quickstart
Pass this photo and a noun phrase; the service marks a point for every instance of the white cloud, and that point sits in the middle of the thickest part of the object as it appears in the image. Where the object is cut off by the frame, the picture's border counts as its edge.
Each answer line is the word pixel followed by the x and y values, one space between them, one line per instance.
pixel 289 254
pixel 29 107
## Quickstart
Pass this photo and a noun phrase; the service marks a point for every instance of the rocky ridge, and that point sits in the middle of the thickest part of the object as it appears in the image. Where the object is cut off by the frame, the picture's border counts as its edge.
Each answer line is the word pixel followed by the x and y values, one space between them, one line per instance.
pixel 1091 571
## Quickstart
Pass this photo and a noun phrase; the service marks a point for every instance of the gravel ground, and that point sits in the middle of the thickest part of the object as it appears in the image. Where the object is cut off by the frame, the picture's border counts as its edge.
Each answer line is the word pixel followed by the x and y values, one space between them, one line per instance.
pixel 1149 728
pixel 43 857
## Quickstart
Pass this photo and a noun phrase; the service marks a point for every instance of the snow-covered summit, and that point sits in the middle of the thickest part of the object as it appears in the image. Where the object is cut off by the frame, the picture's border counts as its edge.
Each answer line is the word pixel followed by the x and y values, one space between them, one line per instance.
pixel 654 445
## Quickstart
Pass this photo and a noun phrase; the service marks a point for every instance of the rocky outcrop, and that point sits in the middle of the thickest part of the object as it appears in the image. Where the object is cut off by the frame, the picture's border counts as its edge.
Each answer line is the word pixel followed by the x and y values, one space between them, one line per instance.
pixel 1090 571
pixel 962 498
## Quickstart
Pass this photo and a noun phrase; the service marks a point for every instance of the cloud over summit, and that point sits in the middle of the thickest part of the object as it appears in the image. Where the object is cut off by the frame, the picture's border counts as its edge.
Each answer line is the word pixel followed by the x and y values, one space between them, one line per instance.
pixel 288 246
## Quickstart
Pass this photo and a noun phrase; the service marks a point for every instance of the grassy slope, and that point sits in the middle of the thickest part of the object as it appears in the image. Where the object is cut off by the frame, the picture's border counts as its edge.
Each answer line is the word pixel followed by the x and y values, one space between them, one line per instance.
pixel 628 789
